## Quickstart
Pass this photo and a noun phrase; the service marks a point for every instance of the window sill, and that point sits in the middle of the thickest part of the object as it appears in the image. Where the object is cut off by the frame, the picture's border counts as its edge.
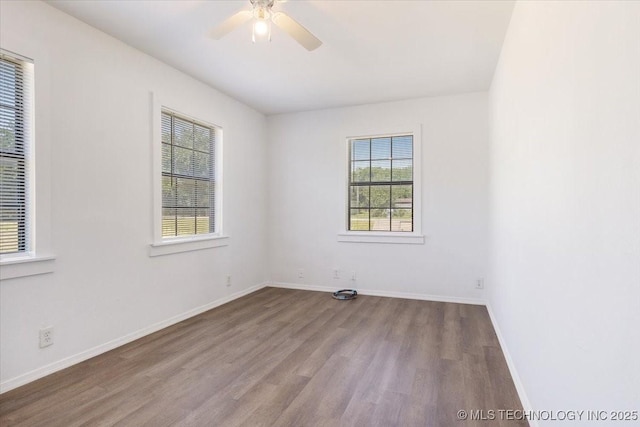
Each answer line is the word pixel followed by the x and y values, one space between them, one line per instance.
pixel 169 247
pixel 393 238
pixel 23 266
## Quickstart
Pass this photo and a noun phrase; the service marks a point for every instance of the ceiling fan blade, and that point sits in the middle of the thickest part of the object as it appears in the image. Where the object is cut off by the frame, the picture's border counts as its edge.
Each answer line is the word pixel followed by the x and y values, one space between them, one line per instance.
pixel 297 31
pixel 230 24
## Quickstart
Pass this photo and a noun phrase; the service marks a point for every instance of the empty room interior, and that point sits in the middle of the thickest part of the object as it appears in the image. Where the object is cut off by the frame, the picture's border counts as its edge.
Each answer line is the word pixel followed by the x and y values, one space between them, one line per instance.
pixel 319 213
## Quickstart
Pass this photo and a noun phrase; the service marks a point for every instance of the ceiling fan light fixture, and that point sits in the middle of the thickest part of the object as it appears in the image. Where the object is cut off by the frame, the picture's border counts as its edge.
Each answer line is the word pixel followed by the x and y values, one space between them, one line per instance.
pixel 263 16
pixel 261 24
pixel 261 27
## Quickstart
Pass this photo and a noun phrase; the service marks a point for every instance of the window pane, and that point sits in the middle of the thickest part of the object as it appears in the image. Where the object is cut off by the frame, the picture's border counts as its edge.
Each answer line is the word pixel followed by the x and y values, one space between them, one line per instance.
pixel 185 192
pixel 168 222
pixel 166 128
pixel 202 194
pixel 360 171
pixel 360 149
pixel 9 232
pixel 380 220
pixel 8 136
pixel 202 221
pixel 186 219
pixel 182 133
pixel 402 170
pixel 401 220
pixel 9 80
pixel 380 196
pixel 12 174
pixel 182 161
pixel 201 164
pixel 202 138
pixel 359 196
pixel 402 147
pixel 380 148
pixel 166 158
pixel 359 220
pixel 381 171
pixel 402 196
pixel 168 192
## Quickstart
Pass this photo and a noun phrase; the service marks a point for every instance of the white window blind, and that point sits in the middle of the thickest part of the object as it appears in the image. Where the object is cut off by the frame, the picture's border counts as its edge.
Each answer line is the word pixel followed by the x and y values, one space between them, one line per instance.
pixel 188 177
pixel 16 77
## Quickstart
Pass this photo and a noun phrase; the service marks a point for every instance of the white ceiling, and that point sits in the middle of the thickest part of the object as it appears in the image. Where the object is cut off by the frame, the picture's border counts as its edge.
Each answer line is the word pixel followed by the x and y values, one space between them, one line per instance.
pixel 373 51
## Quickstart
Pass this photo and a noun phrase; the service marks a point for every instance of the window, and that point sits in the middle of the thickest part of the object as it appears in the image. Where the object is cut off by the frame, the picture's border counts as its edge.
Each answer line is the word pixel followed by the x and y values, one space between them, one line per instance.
pixel 15 145
pixel 187 189
pixel 188 177
pixel 381 184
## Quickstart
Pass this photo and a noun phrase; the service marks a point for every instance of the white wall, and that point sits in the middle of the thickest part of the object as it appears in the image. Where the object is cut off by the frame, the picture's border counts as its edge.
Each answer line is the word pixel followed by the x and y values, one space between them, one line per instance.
pixel 93 131
pixel 565 202
pixel 307 180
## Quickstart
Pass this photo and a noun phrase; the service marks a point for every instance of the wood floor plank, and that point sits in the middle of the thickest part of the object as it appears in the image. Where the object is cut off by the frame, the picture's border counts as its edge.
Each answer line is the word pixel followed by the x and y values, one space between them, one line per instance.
pixel 425 385
pixel 451 333
pixel 282 357
pixel 274 404
pixel 379 374
pixel 451 392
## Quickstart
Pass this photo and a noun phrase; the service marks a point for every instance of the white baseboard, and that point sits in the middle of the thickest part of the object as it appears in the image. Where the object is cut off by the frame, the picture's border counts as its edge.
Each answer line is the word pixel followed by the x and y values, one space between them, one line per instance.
pixel 378 293
pixel 524 399
pixel 43 371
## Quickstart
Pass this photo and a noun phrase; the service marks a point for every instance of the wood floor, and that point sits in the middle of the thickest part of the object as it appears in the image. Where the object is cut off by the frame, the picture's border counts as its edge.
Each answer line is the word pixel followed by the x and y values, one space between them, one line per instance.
pixel 287 358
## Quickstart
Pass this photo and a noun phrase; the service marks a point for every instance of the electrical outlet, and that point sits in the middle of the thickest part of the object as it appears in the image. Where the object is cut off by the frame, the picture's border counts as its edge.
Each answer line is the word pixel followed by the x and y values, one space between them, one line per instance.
pixel 336 273
pixel 46 337
pixel 228 280
pixel 353 276
pixel 300 274
pixel 480 284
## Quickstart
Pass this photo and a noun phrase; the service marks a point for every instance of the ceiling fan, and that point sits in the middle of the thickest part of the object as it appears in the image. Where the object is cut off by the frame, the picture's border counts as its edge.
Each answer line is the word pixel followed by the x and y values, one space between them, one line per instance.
pixel 263 15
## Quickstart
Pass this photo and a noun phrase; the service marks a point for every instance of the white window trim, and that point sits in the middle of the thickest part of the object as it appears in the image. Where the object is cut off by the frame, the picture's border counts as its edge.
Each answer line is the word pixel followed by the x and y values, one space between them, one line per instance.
pixel 160 246
pixel 25 265
pixel 387 237
pixel 34 262
pixel 174 246
pixel 415 237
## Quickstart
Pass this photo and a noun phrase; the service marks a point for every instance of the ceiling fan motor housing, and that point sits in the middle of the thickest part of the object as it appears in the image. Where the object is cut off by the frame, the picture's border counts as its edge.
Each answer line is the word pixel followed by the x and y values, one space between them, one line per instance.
pixel 264 4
